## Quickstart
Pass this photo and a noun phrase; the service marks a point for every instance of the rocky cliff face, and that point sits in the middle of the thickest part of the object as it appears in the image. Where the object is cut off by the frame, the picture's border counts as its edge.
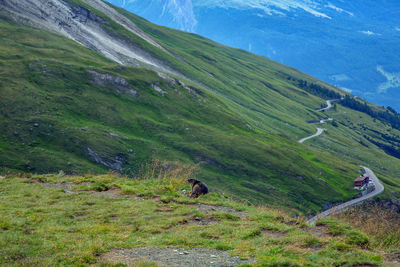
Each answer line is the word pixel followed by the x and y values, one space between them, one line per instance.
pixel 86 27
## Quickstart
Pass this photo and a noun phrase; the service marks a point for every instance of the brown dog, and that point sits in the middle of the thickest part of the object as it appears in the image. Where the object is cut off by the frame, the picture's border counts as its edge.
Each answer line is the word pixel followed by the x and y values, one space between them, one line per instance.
pixel 198 188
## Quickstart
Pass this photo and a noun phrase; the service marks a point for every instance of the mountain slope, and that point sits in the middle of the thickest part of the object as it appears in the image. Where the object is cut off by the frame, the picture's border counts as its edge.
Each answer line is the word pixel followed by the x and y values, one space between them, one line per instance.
pixel 87 27
pixel 345 43
pixel 238 115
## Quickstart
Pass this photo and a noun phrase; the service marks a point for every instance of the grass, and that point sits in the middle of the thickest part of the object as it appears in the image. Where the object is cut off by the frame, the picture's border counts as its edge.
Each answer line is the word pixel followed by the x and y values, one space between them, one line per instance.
pixel 41 225
pixel 240 124
pixel 61 99
pixel 381 224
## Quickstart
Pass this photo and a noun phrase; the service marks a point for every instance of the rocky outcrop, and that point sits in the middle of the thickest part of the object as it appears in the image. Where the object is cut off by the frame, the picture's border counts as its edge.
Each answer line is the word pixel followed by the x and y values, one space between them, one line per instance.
pixel 168 79
pixel 330 205
pixel 112 81
pixel 125 22
pixel 156 87
pixel 119 160
pixel 89 28
pixel 173 82
pixel 392 204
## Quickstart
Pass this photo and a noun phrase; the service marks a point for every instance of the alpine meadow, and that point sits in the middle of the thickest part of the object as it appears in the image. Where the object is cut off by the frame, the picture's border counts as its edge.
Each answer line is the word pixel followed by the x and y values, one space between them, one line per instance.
pixel 104 116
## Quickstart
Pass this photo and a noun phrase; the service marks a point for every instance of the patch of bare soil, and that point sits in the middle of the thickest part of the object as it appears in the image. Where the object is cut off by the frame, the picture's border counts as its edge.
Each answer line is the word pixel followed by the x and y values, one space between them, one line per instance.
pixel 316 247
pixel 113 192
pixel 34 181
pixel 113 218
pixel 66 186
pixel 116 192
pixel 202 221
pixel 319 231
pixel 273 234
pixel 197 257
pixel 392 259
pixel 364 265
pixel 81 215
pixel 211 208
pixel 83 183
pixel 164 209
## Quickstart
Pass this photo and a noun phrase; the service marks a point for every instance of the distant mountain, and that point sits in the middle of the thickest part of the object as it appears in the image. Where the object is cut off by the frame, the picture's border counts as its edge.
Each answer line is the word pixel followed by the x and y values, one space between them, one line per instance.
pixel 177 13
pixel 346 43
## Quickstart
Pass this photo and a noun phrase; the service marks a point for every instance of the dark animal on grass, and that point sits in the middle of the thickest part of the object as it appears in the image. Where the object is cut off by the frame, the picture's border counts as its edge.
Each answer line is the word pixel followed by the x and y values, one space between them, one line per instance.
pixel 198 188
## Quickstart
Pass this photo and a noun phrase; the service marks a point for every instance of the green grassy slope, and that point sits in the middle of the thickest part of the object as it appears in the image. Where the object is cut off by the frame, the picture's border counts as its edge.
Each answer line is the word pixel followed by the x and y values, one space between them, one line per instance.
pixel 52 89
pixel 241 118
pixel 42 225
pixel 362 140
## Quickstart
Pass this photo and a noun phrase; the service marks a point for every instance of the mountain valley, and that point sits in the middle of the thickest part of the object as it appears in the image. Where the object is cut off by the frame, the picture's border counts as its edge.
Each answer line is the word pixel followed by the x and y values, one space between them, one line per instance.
pixel 340 42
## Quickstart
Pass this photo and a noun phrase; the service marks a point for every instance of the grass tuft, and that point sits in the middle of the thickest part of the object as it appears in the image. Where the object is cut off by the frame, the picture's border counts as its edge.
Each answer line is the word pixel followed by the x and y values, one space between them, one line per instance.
pixel 380 226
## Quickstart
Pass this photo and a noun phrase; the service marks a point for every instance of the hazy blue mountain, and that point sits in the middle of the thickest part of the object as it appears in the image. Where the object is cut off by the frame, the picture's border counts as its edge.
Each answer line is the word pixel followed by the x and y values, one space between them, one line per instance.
pixel 351 44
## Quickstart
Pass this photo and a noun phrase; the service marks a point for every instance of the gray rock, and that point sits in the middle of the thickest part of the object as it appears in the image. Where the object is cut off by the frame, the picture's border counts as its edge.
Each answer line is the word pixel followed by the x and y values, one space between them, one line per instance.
pixel 115 82
pixel 132 93
pixel 249 127
pixel 168 79
pixel 119 160
pixel 158 89
pixel 392 204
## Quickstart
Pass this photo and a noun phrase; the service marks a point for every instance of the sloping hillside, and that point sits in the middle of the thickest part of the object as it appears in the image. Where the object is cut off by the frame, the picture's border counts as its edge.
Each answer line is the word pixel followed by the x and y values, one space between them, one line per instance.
pixel 68 107
pixel 50 220
pixel 338 41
